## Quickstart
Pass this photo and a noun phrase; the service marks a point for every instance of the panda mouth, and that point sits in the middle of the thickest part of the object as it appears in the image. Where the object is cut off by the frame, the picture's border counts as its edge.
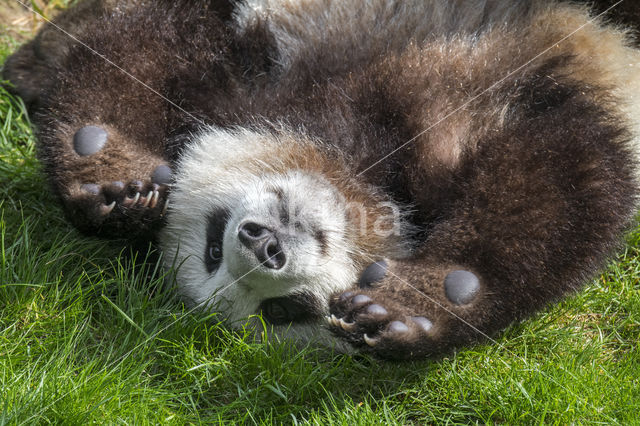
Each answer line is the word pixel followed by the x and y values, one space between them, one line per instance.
pixel 295 308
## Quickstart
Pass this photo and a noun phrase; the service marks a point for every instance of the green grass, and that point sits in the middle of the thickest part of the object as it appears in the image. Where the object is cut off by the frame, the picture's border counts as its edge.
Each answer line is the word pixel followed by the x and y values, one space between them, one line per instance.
pixel 92 334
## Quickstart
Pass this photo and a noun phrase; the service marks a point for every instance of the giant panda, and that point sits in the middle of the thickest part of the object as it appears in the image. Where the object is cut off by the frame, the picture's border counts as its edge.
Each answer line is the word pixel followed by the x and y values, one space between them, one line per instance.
pixel 399 178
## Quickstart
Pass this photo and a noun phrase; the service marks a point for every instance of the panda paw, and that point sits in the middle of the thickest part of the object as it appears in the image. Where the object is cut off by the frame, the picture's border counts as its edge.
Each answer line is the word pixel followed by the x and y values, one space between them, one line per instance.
pixel 374 325
pixel 125 198
pixel 409 317
pixel 109 184
pixel 117 208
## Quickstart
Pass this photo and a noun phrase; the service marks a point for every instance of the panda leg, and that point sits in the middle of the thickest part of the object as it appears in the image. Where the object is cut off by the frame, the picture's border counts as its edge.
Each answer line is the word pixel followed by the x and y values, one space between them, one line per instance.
pixel 109 184
pixel 541 207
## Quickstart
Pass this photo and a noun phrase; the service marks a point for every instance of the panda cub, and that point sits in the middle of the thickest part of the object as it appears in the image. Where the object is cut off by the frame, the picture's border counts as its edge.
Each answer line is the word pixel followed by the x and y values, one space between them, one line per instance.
pixel 400 178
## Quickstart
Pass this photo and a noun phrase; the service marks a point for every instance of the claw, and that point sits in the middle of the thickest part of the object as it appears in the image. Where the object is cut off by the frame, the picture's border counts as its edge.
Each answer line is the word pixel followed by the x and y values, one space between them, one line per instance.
pixel 105 210
pixel 154 199
pixel 131 201
pixel 347 326
pixel 334 321
pixel 144 202
pixel 164 209
pixel 370 341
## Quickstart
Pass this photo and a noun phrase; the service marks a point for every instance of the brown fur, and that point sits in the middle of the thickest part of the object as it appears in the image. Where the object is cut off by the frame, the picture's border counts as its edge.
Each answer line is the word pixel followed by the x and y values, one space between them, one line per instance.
pixel 77 88
pixel 522 170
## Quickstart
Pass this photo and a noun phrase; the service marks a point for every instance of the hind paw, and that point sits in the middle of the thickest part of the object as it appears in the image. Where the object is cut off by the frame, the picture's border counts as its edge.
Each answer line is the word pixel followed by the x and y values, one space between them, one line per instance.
pixel 361 320
pixel 118 197
pixel 404 310
pixel 117 207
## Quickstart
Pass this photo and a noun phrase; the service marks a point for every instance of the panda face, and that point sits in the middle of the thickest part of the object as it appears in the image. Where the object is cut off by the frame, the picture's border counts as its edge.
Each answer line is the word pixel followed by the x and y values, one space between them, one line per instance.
pixel 279 236
pixel 250 238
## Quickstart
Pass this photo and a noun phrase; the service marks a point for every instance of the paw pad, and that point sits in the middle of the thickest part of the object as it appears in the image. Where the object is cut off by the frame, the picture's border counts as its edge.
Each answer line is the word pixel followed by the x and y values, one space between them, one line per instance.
pixel 136 198
pixel 398 327
pixel 360 299
pixel 461 287
pixel 345 296
pixel 373 274
pixel 424 323
pixel 89 140
pixel 162 175
pixel 91 188
pixel 376 310
pixel 117 185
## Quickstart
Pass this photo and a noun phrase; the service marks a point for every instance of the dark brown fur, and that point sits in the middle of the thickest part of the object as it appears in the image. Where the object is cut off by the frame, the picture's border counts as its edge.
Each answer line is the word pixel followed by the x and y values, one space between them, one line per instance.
pixel 72 87
pixel 530 185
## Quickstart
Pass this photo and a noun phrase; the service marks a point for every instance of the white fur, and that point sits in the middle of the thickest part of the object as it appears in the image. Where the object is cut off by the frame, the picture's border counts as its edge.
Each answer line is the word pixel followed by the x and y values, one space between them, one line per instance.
pixel 230 169
pixel 363 25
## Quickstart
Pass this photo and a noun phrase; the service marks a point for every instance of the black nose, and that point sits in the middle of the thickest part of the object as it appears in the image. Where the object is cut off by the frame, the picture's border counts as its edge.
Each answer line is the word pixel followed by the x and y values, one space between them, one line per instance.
pixel 264 244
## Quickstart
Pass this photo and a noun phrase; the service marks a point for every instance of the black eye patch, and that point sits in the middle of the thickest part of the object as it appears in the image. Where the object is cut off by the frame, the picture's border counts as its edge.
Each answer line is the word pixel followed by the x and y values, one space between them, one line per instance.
pixel 302 307
pixel 216 225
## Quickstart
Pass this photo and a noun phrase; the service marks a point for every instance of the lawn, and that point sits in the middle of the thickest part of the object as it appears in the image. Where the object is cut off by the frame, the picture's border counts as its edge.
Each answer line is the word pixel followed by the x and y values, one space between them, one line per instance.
pixel 94 333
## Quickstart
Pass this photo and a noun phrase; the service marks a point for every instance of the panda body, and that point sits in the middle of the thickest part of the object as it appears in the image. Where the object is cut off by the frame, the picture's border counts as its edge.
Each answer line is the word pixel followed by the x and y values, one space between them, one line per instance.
pixel 400 178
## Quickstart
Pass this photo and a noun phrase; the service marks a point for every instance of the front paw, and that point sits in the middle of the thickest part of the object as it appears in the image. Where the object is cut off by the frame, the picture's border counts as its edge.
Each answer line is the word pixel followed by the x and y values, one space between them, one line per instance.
pixel 118 208
pixel 404 311
pixel 374 324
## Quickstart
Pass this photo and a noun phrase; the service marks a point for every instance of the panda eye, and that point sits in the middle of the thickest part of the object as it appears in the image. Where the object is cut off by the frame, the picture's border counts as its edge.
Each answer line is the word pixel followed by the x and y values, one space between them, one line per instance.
pixel 215 252
pixel 214 255
pixel 215 235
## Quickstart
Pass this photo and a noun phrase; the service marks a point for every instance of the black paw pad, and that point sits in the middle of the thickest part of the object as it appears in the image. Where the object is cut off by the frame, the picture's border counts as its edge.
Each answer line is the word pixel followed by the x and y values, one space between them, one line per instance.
pixel 162 175
pixel 118 185
pixel 397 327
pixel 373 274
pixel 345 296
pixel 423 323
pixel 94 190
pixel 91 188
pixel 461 287
pixel 376 310
pixel 134 188
pixel 89 140
pixel 360 299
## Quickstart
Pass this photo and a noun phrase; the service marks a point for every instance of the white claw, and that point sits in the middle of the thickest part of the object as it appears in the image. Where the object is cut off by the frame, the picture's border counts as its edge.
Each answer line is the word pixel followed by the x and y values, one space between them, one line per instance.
pixel 105 210
pixel 334 321
pixel 164 209
pixel 146 200
pixel 331 320
pixel 348 326
pixel 370 341
pixel 154 199
pixel 131 201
